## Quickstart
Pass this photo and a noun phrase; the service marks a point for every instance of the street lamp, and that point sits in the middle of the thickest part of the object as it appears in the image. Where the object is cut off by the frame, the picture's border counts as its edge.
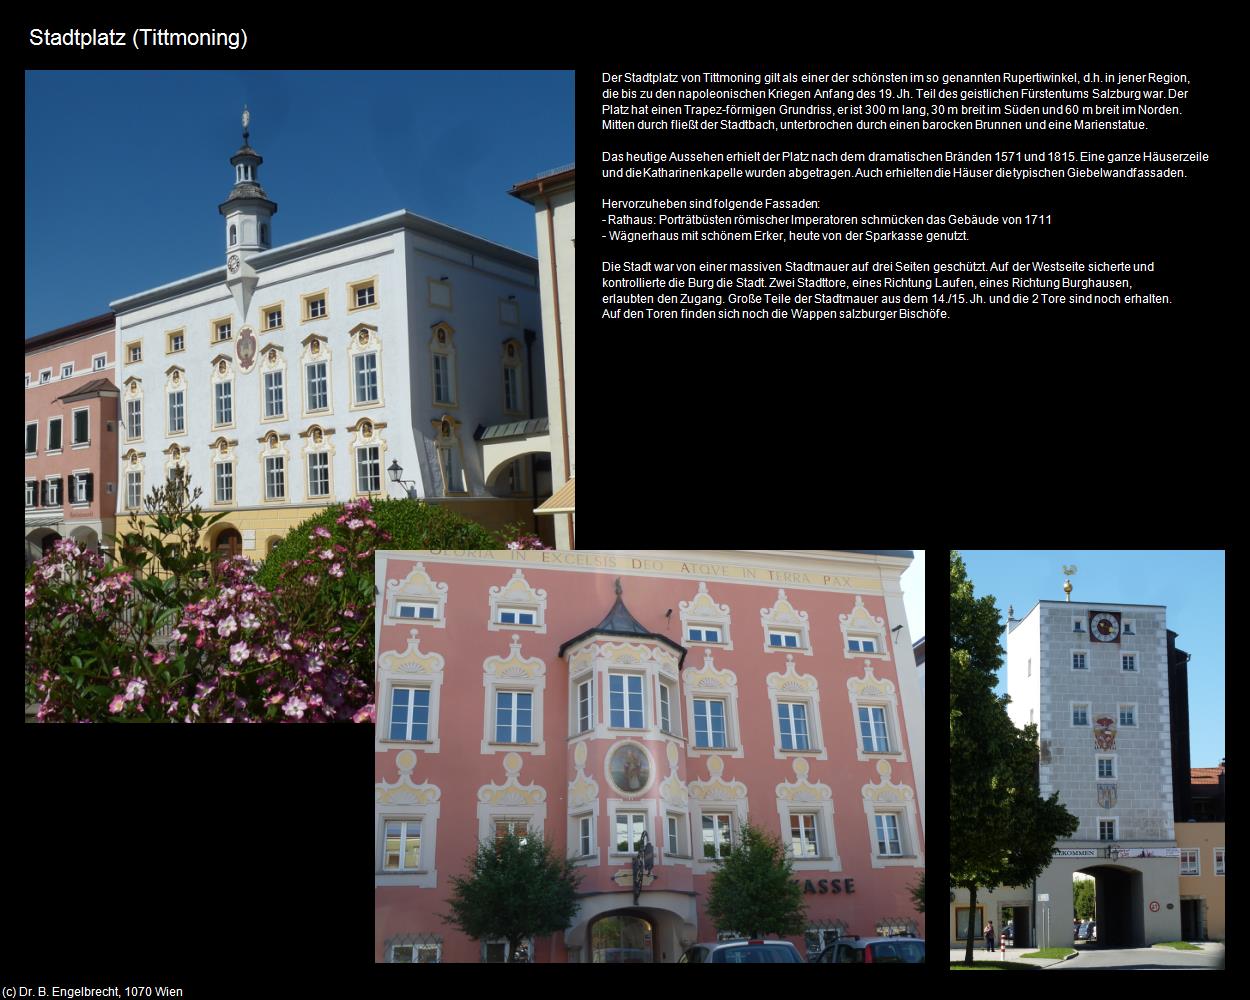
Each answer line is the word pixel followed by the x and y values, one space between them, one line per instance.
pixel 396 470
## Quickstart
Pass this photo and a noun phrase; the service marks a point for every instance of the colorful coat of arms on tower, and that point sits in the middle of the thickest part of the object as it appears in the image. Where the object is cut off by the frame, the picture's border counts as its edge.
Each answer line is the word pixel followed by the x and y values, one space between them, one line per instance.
pixel 1104 733
pixel 1106 796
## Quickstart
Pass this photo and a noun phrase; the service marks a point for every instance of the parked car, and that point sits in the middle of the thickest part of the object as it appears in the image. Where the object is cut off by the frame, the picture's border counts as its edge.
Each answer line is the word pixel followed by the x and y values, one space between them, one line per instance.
pixel 1082 933
pixel 853 950
pixel 1009 930
pixel 1093 930
pixel 742 951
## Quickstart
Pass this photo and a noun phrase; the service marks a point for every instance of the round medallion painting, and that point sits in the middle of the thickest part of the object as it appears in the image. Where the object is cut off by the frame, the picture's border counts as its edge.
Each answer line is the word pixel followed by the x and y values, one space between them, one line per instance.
pixel 629 768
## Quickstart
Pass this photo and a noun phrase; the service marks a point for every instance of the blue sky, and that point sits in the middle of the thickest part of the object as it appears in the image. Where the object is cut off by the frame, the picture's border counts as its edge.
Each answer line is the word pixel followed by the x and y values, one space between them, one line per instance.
pixel 1190 584
pixel 912 583
pixel 125 170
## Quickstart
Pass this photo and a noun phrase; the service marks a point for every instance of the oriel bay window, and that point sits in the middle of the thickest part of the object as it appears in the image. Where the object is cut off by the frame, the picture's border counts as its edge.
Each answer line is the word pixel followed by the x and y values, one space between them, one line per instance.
pixel 585 706
pixel 625 701
pixel 629 830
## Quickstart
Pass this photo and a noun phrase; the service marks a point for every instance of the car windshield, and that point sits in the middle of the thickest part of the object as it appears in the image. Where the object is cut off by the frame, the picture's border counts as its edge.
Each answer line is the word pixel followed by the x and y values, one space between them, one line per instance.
pixel 898 951
pixel 755 953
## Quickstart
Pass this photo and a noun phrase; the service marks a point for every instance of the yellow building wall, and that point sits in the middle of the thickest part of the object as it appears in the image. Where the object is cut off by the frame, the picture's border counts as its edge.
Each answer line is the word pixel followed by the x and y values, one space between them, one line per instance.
pixel 1205 837
pixel 267 523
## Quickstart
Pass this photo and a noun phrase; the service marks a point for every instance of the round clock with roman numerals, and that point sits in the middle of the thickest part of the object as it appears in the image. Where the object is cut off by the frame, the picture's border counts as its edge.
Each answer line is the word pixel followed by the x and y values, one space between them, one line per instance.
pixel 232 262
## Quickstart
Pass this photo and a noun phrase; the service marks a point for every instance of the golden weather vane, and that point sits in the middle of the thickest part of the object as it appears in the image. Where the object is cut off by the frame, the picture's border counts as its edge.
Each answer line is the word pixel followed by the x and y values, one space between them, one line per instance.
pixel 1067 584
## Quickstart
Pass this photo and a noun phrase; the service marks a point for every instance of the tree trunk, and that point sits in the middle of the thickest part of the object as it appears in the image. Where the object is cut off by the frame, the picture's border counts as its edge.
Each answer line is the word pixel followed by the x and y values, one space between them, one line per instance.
pixel 972 913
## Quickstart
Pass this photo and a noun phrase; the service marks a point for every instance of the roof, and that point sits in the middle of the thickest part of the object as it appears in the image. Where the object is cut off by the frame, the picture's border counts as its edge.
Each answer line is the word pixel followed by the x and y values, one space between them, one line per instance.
pixel 84 326
pixel 620 622
pixel 560 502
pixel 546 182
pixel 369 229
pixel 96 387
pixel 1205 775
pixel 519 428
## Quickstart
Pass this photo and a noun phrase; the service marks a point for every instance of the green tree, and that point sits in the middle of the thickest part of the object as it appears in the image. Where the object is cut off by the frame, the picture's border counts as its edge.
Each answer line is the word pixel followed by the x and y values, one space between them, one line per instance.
pixel 1002 831
pixel 517 887
pixel 753 889
pixel 917 894
pixel 1083 898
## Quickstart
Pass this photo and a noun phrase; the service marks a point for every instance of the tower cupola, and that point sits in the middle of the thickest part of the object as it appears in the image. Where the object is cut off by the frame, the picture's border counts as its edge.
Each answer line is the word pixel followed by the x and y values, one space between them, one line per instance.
pixel 247 208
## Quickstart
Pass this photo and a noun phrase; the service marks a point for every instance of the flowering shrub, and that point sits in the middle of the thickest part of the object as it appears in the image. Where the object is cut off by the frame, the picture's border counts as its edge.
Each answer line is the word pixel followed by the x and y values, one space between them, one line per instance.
pixel 299 652
pixel 409 525
pixel 516 536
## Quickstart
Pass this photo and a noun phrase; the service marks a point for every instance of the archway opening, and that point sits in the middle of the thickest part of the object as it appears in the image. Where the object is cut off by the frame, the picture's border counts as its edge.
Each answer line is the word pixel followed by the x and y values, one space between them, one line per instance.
pixel 1118 907
pixel 229 543
pixel 622 938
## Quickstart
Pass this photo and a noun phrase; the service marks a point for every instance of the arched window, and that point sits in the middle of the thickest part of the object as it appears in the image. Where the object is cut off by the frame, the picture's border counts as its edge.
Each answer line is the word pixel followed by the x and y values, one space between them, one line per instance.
pixel 264 233
pixel 234 237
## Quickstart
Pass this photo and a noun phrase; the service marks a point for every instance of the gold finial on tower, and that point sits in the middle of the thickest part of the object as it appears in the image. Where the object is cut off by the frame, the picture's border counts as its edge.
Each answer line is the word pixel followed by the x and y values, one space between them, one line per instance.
pixel 1067 584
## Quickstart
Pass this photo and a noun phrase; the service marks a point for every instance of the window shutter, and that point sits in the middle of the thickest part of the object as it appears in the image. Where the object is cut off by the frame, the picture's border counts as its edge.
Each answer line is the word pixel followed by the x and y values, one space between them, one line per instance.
pixel 88 477
pixel 60 489
pixel 42 499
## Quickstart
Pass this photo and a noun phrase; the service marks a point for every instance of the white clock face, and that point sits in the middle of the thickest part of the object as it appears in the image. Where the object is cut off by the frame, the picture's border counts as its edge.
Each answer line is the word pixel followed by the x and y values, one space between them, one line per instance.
pixel 233 263
pixel 1104 627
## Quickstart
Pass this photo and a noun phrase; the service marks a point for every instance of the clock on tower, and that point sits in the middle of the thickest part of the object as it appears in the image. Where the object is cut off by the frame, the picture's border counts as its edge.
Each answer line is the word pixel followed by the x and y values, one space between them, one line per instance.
pixel 1104 626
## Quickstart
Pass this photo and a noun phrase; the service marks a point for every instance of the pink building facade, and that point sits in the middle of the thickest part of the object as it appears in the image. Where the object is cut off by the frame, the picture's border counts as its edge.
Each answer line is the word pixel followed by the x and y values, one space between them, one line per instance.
pixel 71 435
pixel 591 697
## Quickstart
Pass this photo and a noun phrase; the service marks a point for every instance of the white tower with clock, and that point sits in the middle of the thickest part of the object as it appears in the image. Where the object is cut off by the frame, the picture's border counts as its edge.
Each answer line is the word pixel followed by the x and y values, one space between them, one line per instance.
pixel 248 212
pixel 1093 677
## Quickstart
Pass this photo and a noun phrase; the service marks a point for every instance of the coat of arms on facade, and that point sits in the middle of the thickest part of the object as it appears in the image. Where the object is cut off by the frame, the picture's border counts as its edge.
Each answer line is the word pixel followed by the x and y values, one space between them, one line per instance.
pixel 1106 796
pixel 246 348
pixel 1104 733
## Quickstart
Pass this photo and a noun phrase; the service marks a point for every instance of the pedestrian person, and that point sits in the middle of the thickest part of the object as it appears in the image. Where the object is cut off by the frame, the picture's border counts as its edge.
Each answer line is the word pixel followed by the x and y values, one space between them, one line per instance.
pixel 989 936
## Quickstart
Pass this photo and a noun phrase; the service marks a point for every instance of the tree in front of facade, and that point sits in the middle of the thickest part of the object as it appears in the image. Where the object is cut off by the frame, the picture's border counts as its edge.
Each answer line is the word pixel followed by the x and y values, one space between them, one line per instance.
pixel 1002 831
pixel 753 889
pixel 517 887
pixel 917 894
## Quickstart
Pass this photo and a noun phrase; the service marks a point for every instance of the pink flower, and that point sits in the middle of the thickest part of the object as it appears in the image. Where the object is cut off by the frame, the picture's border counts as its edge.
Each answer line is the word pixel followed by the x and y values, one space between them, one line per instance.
pixel 30 595
pixel 295 708
pixel 514 545
pixel 276 698
pixel 336 569
pixel 314 663
pixel 283 638
pixel 159 657
pixel 247 619
pixel 320 532
pixel 228 626
pixel 364 715
pixel 135 689
pixel 310 580
pixel 117 671
pixel 325 554
pixel 355 524
pixel 117 704
pixel 238 652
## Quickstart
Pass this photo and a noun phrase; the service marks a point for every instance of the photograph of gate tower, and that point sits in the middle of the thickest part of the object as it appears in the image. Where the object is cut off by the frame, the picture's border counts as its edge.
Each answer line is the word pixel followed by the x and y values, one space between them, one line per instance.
pixel 293 376
pixel 1106 686
pixel 592 697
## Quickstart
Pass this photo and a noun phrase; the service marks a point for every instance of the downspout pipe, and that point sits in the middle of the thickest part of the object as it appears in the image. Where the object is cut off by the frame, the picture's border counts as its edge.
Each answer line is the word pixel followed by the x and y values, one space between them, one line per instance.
pixel 530 337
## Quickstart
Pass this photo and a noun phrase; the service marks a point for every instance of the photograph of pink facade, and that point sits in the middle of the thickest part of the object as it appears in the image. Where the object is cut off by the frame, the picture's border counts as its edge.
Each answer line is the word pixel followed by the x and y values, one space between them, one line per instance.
pixel 71 436
pixel 587 697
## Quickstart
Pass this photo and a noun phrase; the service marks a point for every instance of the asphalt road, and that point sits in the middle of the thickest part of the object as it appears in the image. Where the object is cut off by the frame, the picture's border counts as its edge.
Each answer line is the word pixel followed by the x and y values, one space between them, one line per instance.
pixel 1211 957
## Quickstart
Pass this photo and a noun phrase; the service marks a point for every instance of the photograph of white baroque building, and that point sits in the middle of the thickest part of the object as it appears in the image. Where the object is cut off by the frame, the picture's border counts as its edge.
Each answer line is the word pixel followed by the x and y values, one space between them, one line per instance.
pixel 294 375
